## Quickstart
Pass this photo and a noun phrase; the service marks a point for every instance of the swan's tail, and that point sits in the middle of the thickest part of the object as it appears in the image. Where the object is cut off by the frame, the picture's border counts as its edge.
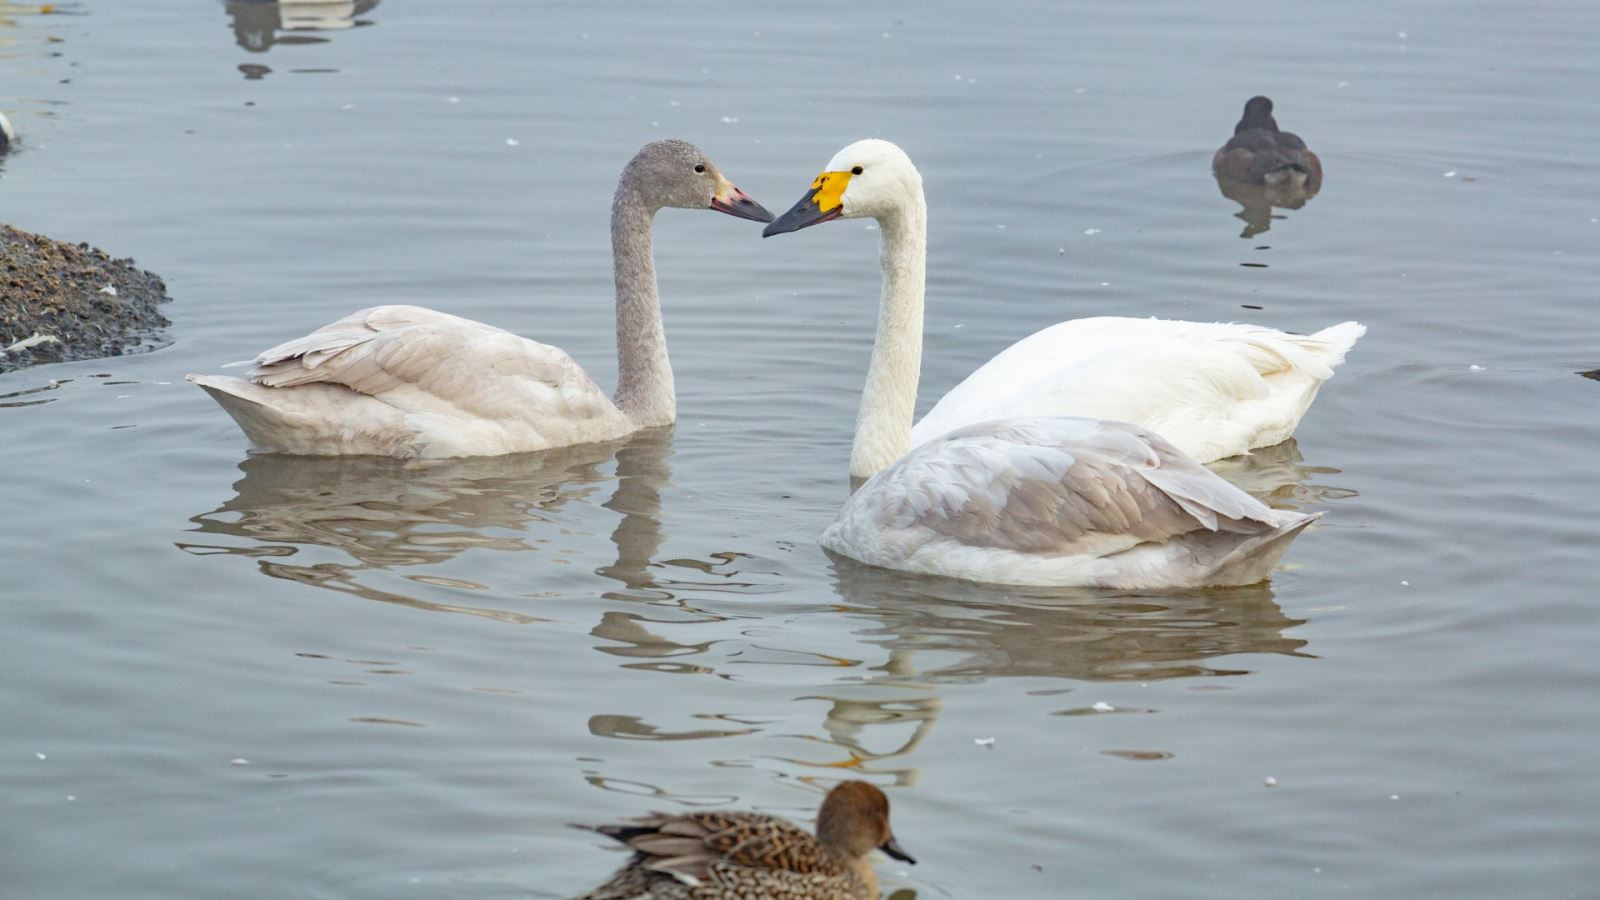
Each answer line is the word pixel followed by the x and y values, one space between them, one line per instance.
pixel 312 419
pixel 1313 356
pixel 1295 366
pixel 1336 341
pixel 1252 560
pixel 249 406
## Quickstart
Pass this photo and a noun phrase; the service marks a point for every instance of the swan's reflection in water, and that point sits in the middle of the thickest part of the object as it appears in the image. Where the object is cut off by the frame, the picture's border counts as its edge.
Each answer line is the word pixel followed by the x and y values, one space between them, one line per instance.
pixel 1257 202
pixel 1279 477
pixel 970 633
pixel 259 24
pixel 876 736
pixel 388 514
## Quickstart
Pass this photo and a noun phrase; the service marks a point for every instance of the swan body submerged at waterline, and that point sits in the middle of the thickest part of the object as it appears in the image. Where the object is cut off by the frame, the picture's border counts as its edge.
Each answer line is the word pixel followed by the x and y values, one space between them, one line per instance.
pixel 1061 491
pixel 410 382
pixel 1064 501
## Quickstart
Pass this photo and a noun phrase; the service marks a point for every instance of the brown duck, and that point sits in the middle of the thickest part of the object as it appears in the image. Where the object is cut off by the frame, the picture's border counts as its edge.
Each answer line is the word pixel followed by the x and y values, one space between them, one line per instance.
pixel 1259 153
pixel 727 855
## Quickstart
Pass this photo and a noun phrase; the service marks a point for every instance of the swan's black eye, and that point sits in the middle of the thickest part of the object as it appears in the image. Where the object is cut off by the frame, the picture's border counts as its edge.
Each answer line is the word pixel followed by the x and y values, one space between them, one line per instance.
pixel 856 171
pixel 700 167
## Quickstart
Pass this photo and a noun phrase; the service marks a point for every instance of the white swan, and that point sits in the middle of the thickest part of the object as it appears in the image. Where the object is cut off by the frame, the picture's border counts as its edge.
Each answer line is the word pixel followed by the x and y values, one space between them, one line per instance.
pixel 1042 499
pixel 1214 390
pixel 410 382
pixel 8 135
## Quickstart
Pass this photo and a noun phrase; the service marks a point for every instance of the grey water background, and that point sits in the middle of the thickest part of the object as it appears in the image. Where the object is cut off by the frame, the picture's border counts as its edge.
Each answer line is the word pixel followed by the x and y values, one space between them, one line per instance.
pixel 225 675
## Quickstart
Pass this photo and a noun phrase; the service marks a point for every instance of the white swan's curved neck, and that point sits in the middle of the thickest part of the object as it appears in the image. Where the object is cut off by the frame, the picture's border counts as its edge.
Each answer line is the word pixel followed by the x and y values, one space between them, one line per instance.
pixel 883 424
pixel 645 392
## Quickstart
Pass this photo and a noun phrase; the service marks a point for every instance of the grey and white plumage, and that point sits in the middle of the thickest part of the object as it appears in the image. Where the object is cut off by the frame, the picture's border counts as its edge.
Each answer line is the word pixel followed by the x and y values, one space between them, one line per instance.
pixel 411 382
pixel 1061 500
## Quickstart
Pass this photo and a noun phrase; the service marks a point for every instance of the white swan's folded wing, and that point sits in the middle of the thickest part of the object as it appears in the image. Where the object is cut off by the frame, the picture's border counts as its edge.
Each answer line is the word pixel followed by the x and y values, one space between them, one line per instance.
pixel 1213 389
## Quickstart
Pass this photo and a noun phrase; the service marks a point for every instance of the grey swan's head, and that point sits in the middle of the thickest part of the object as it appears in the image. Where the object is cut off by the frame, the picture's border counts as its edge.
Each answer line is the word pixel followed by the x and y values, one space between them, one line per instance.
pixel 677 174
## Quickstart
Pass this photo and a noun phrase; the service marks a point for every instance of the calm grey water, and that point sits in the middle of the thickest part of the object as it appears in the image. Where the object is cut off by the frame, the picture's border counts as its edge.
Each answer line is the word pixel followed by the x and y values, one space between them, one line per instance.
pixel 233 676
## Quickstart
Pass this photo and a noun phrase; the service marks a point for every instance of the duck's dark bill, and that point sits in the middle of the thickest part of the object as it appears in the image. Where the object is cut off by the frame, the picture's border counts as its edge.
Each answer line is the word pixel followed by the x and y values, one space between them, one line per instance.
pixel 892 847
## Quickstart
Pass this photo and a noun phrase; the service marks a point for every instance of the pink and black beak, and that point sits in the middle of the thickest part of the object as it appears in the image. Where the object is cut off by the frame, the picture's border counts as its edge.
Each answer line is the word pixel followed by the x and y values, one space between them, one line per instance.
pixel 737 203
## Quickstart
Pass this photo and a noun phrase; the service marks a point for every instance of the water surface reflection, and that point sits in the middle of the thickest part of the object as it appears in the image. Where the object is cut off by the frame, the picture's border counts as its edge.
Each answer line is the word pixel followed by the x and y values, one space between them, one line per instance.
pixel 259 24
pixel 997 632
pixel 1279 477
pixel 386 514
pixel 1257 202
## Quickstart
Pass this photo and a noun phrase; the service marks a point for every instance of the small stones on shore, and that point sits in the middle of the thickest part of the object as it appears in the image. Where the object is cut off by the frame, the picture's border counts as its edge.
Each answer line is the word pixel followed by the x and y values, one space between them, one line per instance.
pixel 61 301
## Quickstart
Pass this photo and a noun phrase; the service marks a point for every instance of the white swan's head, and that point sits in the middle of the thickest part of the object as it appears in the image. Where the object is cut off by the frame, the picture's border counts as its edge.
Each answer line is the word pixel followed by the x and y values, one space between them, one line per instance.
pixel 677 174
pixel 870 178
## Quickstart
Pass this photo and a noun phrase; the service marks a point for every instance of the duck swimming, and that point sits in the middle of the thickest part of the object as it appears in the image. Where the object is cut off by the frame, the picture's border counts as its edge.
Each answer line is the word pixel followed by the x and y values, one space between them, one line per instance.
pixel 1260 153
pixel 732 855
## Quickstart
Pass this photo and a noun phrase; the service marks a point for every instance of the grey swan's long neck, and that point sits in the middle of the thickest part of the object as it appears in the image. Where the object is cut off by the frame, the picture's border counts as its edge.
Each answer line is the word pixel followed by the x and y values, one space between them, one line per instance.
pixel 883 423
pixel 645 391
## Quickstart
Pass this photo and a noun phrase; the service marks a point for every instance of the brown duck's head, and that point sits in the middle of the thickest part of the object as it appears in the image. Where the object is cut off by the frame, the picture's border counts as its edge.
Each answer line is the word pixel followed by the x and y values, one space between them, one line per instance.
pixel 854 821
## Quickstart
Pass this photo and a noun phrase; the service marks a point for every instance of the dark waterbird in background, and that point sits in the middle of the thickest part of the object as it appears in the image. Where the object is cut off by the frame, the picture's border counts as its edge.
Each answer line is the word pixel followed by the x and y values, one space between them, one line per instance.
pixel 1260 153
pixel 1262 168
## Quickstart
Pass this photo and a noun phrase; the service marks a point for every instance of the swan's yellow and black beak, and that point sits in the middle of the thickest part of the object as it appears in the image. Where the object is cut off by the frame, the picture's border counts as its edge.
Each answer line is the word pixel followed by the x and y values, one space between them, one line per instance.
pixel 737 203
pixel 824 201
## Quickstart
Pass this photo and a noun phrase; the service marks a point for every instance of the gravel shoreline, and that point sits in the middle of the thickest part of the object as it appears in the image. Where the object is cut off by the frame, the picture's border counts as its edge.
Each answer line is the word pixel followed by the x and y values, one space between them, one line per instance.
pixel 71 301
